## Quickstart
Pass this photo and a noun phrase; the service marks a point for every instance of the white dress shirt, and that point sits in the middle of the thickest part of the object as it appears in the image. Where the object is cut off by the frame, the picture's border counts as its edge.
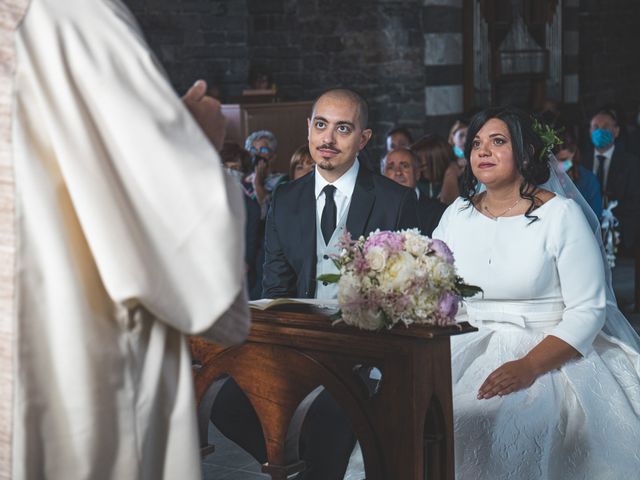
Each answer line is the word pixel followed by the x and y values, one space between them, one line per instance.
pixel 344 189
pixel 607 163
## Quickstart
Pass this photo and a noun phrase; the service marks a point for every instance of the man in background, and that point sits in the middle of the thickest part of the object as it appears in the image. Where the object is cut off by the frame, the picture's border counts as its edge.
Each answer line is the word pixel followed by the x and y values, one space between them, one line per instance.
pixel 618 172
pixel 397 138
pixel 402 166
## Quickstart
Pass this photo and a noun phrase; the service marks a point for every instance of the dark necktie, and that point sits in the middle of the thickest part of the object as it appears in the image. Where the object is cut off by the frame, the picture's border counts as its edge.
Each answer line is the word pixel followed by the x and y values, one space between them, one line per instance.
pixel 329 213
pixel 601 160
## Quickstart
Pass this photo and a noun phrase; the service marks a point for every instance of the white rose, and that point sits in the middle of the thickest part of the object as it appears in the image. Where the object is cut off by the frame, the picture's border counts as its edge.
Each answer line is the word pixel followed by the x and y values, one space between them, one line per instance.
pixel 348 289
pixel 376 258
pixel 365 318
pixel 415 245
pixel 399 273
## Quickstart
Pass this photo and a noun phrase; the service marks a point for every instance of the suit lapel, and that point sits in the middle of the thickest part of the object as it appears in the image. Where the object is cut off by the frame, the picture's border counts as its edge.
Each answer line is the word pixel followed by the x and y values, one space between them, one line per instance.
pixel 614 166
pixel 305 228
pixel 362 202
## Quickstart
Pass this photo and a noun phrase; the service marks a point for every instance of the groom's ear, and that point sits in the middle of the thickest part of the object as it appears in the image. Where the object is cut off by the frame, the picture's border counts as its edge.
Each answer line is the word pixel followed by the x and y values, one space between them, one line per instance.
pixel 365 137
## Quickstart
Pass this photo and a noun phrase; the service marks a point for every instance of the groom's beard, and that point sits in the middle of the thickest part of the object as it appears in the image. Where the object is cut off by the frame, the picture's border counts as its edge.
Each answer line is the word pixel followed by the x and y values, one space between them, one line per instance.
pixel 325 164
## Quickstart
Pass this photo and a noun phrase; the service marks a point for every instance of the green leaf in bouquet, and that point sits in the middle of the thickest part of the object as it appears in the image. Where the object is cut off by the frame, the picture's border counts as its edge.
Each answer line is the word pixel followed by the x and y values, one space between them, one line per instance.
pixel 386 319
pixel 468 290
pixel 329 277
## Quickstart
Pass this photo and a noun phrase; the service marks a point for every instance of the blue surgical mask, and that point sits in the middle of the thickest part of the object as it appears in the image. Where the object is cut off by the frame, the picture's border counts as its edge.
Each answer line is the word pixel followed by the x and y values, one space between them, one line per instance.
pixel 602 138
pixel 458 152
pixel 566 164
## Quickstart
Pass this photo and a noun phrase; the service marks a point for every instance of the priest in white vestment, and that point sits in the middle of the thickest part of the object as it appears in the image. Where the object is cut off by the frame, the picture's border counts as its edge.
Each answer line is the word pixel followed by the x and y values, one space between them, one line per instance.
pixel 119 234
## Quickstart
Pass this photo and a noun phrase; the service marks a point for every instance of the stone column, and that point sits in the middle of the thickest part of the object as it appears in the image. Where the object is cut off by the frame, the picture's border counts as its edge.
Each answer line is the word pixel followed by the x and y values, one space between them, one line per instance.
pixel 443 60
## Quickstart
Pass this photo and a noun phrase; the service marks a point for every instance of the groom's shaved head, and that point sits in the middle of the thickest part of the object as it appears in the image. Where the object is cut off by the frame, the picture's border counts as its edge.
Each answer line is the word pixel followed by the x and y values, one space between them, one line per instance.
pixel 351 96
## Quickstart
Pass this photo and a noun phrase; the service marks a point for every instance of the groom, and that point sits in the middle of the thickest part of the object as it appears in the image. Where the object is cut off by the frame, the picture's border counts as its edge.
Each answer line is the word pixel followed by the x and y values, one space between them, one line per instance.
pixel 308 216
pixel 305 221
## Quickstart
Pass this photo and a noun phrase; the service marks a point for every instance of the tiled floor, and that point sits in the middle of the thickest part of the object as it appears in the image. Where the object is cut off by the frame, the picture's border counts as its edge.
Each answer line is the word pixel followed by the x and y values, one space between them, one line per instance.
pixel 229 462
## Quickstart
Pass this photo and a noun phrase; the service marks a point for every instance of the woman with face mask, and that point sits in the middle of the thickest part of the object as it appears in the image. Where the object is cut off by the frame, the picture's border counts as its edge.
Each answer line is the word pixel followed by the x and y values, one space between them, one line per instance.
pixel 568 155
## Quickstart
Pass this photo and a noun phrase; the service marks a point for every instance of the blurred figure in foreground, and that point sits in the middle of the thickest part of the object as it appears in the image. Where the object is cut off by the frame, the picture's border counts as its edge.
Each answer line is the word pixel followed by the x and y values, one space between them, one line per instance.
pixel 128 238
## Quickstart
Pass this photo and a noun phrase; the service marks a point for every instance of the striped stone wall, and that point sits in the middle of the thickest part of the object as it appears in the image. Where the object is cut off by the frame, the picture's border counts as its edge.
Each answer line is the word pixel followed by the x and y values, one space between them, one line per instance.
pixel 570 51
pixel 443 63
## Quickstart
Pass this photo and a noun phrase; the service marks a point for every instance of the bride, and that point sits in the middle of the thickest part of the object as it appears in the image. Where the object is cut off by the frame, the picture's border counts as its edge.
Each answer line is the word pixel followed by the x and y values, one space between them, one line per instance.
pixel 540 390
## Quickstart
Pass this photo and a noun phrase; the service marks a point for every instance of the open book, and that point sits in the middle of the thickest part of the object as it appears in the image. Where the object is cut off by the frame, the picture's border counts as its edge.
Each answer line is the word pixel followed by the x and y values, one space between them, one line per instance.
pixel 266 303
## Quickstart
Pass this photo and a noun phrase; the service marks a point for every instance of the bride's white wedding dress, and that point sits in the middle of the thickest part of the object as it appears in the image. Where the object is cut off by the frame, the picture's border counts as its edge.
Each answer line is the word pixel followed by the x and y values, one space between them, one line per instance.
pixel 581 421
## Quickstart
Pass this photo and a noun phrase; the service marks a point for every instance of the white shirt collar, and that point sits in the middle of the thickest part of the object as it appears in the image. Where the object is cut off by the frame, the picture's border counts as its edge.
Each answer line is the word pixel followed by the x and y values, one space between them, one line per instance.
pixel 345 184
pixel 417 193
pixel 607 153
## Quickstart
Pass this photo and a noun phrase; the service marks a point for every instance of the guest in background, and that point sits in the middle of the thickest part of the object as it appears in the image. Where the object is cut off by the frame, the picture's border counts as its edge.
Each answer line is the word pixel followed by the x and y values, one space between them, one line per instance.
pixel 260 79
pixel 568 154
pixel 237 162
pixel 263 147
pixel 618 173
pixel 439 171
pixel 457 138
pixel 398 137
pixel 301 162
pixel 402 166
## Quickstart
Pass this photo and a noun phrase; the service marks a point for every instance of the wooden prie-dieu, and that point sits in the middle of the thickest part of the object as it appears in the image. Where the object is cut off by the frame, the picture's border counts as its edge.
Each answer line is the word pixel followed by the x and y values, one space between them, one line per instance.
pixel 404 422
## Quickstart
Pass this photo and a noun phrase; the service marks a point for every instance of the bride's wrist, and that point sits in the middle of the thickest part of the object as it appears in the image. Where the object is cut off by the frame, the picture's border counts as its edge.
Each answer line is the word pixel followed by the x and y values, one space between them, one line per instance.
pixel 533 366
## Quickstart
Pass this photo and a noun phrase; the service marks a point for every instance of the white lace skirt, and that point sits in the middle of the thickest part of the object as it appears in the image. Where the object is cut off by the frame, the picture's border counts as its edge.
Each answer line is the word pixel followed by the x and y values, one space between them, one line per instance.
pixel 579 422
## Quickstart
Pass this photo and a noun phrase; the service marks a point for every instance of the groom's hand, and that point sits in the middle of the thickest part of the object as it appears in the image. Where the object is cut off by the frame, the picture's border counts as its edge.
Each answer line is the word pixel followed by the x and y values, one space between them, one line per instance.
pixel 508 378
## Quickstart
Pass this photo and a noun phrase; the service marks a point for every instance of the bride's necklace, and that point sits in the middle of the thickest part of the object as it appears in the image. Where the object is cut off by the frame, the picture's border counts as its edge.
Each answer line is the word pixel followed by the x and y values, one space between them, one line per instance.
pixel 493 215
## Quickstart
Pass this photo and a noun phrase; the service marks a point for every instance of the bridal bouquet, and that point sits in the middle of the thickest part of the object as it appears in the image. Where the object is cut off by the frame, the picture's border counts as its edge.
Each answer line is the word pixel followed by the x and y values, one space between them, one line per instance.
pixel 393 277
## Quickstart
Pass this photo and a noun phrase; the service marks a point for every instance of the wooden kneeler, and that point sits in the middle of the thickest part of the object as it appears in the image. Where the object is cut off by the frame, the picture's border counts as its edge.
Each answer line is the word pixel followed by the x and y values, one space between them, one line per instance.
pixel 404 426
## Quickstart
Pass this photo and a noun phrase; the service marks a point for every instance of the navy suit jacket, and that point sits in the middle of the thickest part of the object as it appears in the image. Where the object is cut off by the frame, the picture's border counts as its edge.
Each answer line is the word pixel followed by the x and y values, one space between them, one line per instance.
pixel 429 213
pixel 290 238
pixel 623 184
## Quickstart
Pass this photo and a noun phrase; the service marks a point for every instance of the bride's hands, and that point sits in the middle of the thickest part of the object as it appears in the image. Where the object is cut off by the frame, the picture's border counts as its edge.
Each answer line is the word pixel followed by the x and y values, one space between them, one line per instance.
pixel 508 378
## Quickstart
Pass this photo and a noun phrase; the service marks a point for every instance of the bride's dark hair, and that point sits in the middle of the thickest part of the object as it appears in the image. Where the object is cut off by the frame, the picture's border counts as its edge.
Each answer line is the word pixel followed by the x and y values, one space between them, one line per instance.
pixel 527 148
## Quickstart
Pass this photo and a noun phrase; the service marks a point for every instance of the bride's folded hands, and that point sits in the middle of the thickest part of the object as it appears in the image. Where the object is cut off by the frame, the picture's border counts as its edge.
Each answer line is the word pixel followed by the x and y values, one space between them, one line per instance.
pixel 549 354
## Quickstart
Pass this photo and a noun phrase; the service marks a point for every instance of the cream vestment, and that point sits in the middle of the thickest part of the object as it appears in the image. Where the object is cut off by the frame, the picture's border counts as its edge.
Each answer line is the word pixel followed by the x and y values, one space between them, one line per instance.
pixel 119 233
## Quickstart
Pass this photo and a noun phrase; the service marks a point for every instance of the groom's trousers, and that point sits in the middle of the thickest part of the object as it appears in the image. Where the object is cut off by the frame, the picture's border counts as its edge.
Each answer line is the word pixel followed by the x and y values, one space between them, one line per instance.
pixel 326 438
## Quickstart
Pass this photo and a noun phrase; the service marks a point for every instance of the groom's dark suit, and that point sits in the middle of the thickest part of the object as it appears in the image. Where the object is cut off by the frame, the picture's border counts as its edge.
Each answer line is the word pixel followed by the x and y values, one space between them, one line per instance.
pixel 290 240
